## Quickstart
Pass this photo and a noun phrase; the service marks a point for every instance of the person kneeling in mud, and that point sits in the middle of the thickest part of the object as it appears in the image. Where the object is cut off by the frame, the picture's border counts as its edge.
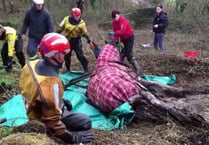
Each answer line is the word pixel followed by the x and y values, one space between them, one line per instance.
pixel 43 92
pixel 113 83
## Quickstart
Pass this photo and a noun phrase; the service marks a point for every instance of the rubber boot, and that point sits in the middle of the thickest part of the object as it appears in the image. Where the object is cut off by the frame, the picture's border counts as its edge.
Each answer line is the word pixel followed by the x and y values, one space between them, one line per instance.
pixel 136 66
pixel 84 63
pixel 67 62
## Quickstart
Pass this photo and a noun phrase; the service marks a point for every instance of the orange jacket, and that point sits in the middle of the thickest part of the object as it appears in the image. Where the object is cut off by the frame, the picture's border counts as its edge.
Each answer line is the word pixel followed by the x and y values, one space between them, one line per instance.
pixel 52 89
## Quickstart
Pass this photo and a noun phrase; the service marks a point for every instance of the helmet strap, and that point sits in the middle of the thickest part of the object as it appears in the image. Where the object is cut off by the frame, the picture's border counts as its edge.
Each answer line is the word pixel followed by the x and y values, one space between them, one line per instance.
pixel 59 64
pixel 53 61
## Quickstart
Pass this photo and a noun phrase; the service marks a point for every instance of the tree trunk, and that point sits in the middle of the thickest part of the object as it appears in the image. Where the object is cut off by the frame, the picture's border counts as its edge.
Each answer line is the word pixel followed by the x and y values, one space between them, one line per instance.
pixel 4 5
pixel 161 103
pixel 11 6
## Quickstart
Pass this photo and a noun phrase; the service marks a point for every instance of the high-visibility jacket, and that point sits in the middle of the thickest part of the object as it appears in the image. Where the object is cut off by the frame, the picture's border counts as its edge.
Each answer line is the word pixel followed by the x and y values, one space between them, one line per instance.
pixel 52 89
pixel 10 38
pixel 72 31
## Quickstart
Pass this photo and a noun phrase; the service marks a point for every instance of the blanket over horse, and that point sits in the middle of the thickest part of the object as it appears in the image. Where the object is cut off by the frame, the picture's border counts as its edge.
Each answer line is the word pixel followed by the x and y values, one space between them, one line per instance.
pixel 113 83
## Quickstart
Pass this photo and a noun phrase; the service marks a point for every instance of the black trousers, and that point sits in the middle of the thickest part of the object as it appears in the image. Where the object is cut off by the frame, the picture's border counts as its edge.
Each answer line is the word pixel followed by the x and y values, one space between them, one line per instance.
pixel 128 49
pixel 18 52
pixel 76 121
pixel 76 45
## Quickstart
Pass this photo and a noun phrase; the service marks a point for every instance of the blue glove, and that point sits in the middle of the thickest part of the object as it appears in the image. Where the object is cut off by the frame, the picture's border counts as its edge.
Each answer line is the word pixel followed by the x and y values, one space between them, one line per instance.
pixel 111 33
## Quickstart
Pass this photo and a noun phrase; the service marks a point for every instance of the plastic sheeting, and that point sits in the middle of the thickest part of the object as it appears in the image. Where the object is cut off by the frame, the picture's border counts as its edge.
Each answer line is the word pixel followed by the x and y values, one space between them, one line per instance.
pixel 14 109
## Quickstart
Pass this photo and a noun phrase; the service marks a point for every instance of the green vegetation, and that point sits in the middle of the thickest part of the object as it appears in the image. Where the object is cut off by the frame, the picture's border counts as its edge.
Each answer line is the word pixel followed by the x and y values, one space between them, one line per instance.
pixel 5 131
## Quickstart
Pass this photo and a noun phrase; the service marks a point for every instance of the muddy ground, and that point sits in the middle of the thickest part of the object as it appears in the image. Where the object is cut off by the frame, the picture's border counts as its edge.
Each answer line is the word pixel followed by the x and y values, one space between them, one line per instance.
pixel 190 73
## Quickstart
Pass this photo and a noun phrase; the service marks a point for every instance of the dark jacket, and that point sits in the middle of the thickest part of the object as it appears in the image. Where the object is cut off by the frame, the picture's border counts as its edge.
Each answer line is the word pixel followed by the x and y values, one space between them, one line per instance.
pixel 162 21
pixel 38 22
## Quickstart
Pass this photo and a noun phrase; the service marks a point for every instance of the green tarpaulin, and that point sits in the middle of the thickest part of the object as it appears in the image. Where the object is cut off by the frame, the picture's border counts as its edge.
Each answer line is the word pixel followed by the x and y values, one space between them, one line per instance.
pixel 166 80
pixel 15 112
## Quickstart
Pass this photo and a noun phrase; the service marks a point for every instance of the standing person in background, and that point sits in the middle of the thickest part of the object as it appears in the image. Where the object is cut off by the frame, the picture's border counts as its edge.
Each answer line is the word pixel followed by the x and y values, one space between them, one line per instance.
pixel 80 4
pixel 160 23
pixel 122 30
pixel 74 28
pixel 39 22
pixel 13 44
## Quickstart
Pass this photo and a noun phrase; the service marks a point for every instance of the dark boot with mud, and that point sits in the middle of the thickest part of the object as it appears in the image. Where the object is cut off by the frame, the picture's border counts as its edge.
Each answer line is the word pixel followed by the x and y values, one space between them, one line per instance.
pixel 136 66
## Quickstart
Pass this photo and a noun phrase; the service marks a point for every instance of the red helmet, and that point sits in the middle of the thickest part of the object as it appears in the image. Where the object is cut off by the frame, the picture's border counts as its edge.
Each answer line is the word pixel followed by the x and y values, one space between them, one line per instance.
pixel 52 43
pixel 76 12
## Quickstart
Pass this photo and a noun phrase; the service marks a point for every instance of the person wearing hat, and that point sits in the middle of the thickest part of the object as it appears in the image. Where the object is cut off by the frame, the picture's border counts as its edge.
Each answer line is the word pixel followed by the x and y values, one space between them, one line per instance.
pixel 13 44
pixel 43 91
pixel 123 31
pixel 74 28
pixel 39 22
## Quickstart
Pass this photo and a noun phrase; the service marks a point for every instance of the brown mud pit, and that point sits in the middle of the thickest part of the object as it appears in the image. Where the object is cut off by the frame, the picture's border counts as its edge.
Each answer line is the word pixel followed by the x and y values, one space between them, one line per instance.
pixel 190 73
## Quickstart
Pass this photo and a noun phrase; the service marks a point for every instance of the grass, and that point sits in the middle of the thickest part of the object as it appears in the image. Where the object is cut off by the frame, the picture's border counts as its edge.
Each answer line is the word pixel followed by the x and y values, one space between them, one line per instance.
pixel 5 131
pixel 8 81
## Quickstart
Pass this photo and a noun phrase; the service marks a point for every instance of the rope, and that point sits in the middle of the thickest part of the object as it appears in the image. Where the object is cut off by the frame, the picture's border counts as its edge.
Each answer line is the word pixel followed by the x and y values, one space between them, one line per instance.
pixel 43 100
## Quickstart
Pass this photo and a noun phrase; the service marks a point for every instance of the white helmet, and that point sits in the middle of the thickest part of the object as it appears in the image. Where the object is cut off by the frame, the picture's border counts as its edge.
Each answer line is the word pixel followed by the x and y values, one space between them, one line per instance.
pixel 38 2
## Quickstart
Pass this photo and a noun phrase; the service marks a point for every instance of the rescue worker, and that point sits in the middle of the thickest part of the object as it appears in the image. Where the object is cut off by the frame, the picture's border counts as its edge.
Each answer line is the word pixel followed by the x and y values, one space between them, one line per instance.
pixel 39 22
pixel 112 83
pixel 13 44
pixel 43 91
pixel 74 28
pixel 123 31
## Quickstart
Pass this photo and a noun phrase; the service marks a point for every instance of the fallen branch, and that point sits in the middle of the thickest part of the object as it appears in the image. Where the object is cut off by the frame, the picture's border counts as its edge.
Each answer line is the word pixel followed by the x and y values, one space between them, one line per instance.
pixel 157 109
pixel 162 90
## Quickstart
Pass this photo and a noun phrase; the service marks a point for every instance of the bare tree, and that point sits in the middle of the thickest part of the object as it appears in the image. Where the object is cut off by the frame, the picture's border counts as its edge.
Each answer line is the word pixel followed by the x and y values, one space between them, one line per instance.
pixel 4 5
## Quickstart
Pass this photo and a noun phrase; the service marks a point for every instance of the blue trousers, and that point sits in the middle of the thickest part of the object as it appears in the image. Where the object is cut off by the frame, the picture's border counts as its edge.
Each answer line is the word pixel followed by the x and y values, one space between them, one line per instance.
pixel 159 41
pixel 32 46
